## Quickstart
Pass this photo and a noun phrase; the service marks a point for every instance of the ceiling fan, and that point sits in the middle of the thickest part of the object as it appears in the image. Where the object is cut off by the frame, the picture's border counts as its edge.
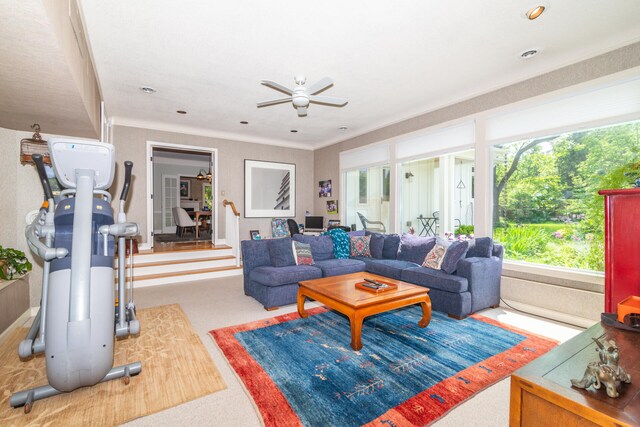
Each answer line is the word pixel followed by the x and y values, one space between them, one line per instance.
pixel 301 96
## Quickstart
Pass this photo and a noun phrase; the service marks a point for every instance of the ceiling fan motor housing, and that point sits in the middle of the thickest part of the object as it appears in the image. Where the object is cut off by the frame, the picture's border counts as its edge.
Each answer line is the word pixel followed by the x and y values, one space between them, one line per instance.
pixel 300 97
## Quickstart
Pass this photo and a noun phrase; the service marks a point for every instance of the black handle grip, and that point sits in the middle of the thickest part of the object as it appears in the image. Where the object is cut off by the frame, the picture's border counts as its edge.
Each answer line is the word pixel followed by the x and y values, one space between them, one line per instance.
pixel 128 165
pixel 37 159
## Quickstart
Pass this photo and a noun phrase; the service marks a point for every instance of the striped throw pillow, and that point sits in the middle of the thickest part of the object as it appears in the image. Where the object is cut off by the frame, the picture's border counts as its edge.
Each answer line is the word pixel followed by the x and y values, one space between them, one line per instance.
pixel 302 253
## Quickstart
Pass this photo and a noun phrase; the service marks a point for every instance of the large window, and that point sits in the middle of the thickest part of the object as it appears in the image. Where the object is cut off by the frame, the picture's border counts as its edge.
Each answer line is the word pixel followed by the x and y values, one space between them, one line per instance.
pixel 437 194
pixel 546 204
pixel 367 193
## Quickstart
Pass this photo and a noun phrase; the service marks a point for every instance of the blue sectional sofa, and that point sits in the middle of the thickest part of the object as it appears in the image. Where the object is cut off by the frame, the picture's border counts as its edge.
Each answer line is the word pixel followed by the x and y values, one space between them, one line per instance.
pixel 472 282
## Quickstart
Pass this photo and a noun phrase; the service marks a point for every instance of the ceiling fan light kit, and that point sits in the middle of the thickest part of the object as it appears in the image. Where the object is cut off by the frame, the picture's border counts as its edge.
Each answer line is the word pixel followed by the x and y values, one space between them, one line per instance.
pixel 301 95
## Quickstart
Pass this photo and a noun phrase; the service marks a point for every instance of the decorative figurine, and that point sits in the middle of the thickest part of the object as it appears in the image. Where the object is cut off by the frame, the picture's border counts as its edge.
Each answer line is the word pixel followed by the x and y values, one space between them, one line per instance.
pixel 606 371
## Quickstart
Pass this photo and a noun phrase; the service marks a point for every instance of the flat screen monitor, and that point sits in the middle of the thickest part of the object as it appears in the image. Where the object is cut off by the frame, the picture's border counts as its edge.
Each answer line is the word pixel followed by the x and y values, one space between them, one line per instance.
pixel 313 222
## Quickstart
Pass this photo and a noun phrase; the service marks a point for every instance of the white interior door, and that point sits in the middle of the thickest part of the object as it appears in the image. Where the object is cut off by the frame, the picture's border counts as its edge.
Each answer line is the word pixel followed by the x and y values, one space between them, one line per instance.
pixel 170 199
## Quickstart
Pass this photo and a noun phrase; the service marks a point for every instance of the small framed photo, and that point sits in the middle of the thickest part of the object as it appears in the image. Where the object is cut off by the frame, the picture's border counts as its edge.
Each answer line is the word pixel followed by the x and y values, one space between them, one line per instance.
pixel 185 189
pixel 332 206
pixel 255 234
pixel 324 188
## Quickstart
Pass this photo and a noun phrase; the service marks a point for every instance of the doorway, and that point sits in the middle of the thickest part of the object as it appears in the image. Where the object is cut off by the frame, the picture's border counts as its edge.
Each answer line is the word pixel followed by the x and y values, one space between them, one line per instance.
pixel 181 178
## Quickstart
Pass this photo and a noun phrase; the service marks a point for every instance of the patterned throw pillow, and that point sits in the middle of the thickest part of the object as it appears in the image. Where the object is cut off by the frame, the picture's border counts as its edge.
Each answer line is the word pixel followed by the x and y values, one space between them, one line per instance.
pixel 360 246
pixel 340 242
pixel 302 253
pixel 435 257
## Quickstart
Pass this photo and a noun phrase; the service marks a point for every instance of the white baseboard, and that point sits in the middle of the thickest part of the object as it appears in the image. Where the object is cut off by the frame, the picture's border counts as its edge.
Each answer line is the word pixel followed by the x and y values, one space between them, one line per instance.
pixel 17 324
pixel 551 314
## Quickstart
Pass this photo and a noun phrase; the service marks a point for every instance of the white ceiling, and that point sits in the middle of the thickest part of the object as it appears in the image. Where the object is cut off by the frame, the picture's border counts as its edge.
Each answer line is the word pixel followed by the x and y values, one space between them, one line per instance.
pixel 392 60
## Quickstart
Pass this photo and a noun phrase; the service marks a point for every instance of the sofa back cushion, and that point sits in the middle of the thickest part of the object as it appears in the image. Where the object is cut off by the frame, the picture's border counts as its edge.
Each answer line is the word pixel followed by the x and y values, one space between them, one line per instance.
pixel 280 252
pixel 480 247
pixel 415 248
pixel 455 252
pixel 321 246
pixel 376 244
pixel 390 247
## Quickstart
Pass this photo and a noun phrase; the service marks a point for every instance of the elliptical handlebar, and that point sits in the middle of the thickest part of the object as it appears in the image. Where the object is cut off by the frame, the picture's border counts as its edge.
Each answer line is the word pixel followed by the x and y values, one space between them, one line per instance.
pixel 37 159
pixel 128 165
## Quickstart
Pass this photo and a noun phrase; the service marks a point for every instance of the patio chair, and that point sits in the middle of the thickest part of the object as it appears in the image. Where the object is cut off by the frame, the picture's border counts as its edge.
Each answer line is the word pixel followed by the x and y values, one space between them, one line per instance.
pixel 436 215
pixel 365 222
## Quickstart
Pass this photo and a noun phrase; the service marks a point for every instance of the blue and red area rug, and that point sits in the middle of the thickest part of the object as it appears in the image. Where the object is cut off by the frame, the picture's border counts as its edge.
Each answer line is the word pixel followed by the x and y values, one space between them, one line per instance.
pixel 303 371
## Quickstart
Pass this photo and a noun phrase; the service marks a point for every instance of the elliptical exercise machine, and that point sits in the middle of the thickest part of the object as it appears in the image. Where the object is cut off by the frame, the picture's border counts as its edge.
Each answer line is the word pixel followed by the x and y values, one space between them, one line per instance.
pixel 77 318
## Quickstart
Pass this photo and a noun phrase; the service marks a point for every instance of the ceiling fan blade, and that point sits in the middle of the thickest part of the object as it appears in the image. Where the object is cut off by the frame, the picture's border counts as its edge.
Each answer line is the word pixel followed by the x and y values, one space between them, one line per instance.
pixel 319 86
pixel 274 102
pixel 302 111
pixel 328 100
pixel 277 86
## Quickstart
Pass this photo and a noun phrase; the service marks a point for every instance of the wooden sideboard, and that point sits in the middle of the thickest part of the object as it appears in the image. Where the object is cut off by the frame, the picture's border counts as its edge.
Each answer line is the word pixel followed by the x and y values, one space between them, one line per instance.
pixel 542 395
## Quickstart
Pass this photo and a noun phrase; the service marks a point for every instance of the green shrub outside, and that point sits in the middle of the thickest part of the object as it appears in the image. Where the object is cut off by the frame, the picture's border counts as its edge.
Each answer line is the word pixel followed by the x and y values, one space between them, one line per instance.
pixel 556 244
pixel 464 229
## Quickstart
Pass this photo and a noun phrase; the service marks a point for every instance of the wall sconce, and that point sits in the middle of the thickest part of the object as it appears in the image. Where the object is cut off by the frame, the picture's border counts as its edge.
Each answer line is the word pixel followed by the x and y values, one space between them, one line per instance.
pixel 202 175
pixel 409 176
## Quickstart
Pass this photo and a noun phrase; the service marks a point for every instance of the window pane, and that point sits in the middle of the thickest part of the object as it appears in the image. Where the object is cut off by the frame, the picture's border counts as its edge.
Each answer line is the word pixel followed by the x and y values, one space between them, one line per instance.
pixel 365 194
pixel 546 204
pixel 208 196
pixel 437 194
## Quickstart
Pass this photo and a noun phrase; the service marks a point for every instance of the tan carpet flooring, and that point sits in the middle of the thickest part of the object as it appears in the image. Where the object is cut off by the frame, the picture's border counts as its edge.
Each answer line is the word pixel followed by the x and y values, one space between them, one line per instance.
pixel 176 368
pixel 211 304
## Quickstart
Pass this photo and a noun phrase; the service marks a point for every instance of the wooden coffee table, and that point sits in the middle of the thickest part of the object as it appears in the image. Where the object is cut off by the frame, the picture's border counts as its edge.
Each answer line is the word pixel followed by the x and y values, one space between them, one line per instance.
pixel 341 294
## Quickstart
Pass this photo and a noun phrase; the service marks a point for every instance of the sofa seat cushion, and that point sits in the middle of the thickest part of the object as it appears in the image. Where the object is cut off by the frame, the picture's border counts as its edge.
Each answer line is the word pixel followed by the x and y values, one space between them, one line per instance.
pixel 321 246
pixel 336 267
pixel 278 276
pixel 391 268
pixel 436 279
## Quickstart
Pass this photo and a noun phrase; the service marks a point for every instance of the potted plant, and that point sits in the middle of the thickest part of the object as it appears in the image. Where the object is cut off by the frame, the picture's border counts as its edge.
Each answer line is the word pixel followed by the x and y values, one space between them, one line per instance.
pixel 13 263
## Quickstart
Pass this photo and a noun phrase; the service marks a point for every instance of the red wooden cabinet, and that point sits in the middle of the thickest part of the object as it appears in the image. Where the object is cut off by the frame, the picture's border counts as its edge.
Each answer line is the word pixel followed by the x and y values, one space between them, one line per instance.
pixel 622 245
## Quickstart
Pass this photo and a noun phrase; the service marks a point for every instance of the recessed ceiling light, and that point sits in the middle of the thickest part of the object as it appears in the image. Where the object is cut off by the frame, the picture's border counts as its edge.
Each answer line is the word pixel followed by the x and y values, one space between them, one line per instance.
pixel 181 112
pixel 530 53
pixel 293 131
pixel 244 122
pixel 532 14
pixel 343 128
pixel 148 90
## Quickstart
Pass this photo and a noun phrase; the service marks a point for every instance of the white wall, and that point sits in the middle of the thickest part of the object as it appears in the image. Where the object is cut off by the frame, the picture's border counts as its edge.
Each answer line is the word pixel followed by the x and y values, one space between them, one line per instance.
pixel 131 143
pixel 20 193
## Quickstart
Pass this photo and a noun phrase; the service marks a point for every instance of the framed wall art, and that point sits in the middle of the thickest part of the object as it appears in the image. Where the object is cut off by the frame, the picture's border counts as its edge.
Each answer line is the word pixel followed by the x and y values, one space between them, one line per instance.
pixel 269 189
